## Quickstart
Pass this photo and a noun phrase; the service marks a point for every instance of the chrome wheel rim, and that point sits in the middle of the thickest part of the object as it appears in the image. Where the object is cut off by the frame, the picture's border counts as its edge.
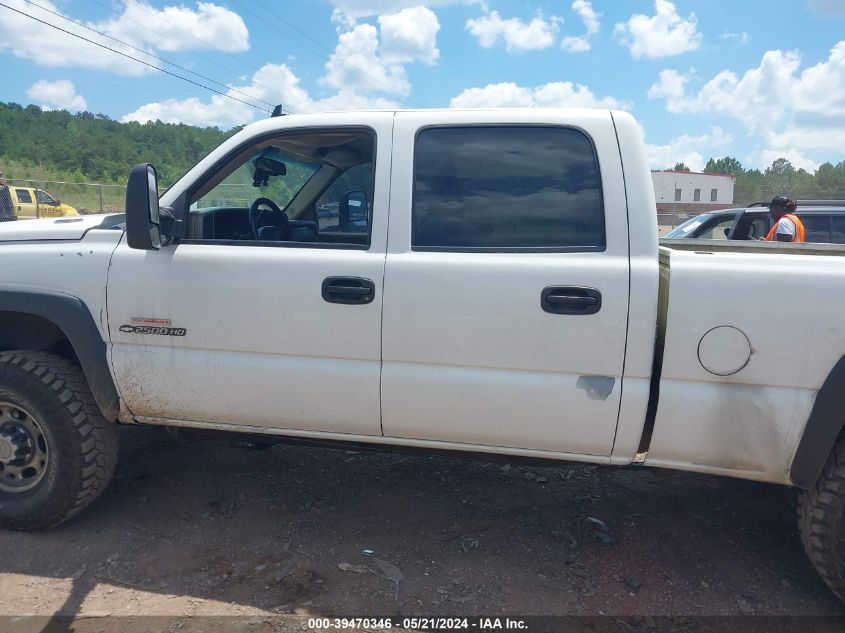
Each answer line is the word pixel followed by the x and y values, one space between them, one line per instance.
pixel 23 449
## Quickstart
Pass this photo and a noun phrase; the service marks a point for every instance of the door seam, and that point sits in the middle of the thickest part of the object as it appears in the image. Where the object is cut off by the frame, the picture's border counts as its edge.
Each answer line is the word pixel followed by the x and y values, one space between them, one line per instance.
pixel 384 273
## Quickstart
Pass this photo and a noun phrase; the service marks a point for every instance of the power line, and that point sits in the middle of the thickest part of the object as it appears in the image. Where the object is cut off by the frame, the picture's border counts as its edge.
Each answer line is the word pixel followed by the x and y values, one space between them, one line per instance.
pixel 186 32
pixel 197 39
pixel 365 74
pixel 263 16
pixel 293 26
pixel 140 61
pixel 140 50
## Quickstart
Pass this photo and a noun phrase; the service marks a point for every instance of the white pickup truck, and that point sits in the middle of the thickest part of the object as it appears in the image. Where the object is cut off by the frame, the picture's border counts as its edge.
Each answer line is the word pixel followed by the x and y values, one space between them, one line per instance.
pixel 481 280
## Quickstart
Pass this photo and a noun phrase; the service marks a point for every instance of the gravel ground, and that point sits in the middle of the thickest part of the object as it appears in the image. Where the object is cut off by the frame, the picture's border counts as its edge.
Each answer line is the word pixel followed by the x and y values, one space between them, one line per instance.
pixel 220 525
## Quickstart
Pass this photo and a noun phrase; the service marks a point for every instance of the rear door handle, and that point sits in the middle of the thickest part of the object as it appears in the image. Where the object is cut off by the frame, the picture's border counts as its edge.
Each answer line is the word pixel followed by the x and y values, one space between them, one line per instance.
pixel 348 290
pixel 570 300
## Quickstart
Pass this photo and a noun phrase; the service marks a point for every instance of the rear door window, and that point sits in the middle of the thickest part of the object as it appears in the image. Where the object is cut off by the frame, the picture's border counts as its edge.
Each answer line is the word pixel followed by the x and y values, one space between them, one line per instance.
pixel 838 230
pixel 24 197
pixel 816 228
pixel 501 188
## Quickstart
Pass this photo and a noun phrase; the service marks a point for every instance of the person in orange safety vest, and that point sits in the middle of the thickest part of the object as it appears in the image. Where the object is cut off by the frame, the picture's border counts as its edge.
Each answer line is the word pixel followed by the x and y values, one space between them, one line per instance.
pixel 786 226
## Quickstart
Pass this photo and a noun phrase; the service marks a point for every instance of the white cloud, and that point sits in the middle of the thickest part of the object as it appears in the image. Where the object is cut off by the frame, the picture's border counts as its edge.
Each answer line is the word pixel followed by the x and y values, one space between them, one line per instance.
pixel 502 95
pixel 662 35
pixel 671 86
pixel 364 70
pixel 43 45
pixel 742 37
pixel 356 66
pixel 348 100
pixel 578 44
pixel 560 94
pixel 766 95
pixel 409 35
pixel 759 98
pixel 588 15
pixel 56 95
pixel 343 21
pixel 807 138
pixel 209 26
pixel 370 60
pixel 786 109
pixel 827 7
pixel 819 93
pixel 46 46
pixel 765 157
pixel 592 22
pixel 685 148
pixel 354 9
pixel 517 35
pixel 272 82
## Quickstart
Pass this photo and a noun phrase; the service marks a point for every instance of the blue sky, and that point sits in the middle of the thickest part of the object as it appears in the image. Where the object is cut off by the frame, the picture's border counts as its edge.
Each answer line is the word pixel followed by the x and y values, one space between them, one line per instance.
pixel 756 80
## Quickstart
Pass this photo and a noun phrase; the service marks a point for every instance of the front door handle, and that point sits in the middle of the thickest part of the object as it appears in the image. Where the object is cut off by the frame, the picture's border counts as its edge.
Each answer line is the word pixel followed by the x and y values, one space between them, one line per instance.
pixel 348 290
pixel 570 300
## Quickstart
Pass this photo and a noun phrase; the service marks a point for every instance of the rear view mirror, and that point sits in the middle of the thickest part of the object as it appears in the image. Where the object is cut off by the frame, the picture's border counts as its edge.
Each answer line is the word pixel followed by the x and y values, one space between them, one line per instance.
pixel 267 165
pixel 271 166
pixel 142 216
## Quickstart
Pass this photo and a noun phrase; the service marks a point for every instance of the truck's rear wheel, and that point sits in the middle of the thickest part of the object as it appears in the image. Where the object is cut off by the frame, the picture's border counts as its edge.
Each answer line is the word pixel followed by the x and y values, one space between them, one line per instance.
pixel 57 453
pixel 821 516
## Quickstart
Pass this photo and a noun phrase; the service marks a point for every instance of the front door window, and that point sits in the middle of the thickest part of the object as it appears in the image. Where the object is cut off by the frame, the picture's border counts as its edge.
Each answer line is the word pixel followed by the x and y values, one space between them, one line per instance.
pixel 310 188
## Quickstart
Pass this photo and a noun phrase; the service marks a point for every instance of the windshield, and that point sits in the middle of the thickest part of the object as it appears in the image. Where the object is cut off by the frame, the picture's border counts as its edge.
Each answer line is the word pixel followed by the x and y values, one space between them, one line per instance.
pixel 45 198
pixel 240 188
pixel 684 230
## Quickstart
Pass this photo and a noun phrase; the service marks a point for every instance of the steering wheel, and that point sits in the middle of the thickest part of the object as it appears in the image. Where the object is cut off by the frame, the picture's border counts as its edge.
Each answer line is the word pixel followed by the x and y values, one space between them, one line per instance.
pixel 273 216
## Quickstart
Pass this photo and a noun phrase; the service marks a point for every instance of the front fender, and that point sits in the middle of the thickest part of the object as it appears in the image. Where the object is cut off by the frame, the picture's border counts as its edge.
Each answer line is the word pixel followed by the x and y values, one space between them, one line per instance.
pixel 72 316
pixel 823 428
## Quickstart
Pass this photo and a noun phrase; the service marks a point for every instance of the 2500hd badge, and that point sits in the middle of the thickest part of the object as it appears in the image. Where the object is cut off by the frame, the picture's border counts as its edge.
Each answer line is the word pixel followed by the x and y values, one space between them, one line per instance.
pixel 160 327
pixel 153 329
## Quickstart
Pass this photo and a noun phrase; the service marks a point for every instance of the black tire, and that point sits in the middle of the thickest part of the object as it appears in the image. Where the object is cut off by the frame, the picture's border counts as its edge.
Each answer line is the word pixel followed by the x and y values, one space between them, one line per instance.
pixel 81 445
pixel 821 517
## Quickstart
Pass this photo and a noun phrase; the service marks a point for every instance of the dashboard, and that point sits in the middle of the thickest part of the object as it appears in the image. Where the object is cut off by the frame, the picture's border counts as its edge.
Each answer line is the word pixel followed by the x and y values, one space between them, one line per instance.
pixel 227 224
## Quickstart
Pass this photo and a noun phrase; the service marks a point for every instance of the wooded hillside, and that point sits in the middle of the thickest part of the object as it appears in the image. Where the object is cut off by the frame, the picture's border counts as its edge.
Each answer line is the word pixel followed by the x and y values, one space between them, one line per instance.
pixel 86 147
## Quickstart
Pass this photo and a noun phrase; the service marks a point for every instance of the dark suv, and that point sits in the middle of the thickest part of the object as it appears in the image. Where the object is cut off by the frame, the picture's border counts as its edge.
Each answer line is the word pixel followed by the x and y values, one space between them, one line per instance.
pixel 824 222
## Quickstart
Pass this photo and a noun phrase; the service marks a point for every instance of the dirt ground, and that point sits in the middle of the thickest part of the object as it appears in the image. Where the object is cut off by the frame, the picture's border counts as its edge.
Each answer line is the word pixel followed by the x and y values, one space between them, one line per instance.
pixel 216 524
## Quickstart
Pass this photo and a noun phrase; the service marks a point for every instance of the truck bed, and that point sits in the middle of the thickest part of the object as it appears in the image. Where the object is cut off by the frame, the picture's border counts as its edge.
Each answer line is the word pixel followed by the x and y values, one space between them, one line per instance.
pixel 738 378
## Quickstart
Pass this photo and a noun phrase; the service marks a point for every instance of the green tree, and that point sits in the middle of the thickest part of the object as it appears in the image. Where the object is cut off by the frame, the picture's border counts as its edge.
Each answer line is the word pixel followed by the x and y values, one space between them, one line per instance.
pixel 726 165
pixel 91 147
pixel 830 181
pixel 781 179
pixel 748 187
pixel 680 167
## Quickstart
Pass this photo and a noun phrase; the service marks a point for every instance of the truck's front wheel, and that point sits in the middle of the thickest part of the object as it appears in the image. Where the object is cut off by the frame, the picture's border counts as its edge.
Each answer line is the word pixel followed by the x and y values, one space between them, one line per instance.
pixel 821 516
pixel 57 453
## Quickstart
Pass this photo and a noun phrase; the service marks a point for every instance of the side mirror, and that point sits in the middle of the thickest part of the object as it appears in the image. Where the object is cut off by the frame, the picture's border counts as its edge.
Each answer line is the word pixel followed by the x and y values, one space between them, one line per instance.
pixel 353 210
pixel 142 217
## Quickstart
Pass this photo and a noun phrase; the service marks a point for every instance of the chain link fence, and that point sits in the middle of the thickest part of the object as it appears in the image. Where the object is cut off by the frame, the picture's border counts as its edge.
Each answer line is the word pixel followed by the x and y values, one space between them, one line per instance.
pixel 47 198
